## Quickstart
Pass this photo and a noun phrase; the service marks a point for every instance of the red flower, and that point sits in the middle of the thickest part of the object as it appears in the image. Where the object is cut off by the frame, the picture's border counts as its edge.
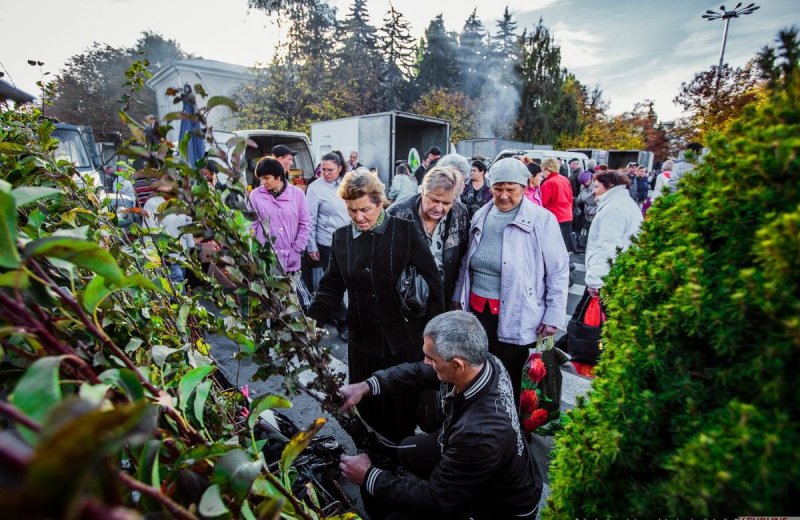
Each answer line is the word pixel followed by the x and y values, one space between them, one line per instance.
pixel 528 401
pixel 538 418
pixel 537 371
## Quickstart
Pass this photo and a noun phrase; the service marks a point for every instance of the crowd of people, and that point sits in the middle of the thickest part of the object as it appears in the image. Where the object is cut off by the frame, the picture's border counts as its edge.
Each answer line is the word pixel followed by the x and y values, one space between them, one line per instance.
pixel 493 247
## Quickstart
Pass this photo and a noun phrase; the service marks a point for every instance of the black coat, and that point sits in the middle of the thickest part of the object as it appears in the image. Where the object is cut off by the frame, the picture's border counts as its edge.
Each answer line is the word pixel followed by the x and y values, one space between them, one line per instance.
pixel 455 236
pixel 485 470
pixel 368 267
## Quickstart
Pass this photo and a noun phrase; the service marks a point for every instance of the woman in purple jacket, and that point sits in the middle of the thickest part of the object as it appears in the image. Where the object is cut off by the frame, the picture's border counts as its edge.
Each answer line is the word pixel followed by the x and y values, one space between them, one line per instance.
pixel 281 214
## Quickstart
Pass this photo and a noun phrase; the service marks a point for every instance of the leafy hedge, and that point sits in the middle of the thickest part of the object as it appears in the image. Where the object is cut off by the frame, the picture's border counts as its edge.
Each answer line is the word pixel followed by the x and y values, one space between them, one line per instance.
pixel 109 402
pixel 695 409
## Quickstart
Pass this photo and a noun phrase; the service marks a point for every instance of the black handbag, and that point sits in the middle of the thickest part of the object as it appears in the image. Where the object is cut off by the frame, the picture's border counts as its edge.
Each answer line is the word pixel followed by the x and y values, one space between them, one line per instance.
pixel 413 292
pixel 583 341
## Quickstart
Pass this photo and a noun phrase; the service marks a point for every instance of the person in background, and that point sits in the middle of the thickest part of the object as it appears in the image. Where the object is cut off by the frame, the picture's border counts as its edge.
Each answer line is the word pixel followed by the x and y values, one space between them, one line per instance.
pixel 171 224
pixel 458 163
pixel 404 184
pixel 281 213
pixel 574 165
pixel 685 163
pixel 514 276
pixel 429 161
pixel 617 219
pixel 327 213
pixel 557 198
pixel 353 163
pixel 662 179
pixel 477 191
pixel 533 192
pixel 367 258
pixel 478 465
pixel 284 155
pixel 441 219
pixel 640 185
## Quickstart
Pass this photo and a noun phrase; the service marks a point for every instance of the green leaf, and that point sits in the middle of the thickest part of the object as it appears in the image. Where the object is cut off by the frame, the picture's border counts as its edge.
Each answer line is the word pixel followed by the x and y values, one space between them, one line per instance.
pixel 298 443
pixel 12 148
pixel 94 394
pixel 238 471
pixel 38 391
pixel 9 256
pixel 141 281
pixel 81 232
pixel 199 404
pixel 270 509
pixel 74 455
pixel 211 504
pixel 18 279
pixel 95 292
pixel 215 101
pixel 133 344
pixel 160 353
pixel 183 314
pixel 265 402
pixel 79 252
pixel 124 379
pixel 26 194
pixel 189 382
pixel 183 146
pixel 149 471
pixel 247 511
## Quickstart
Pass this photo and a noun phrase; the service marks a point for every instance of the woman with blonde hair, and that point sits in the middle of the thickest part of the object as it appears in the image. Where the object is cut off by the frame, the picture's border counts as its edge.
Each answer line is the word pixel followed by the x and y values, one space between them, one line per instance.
pixel 366 260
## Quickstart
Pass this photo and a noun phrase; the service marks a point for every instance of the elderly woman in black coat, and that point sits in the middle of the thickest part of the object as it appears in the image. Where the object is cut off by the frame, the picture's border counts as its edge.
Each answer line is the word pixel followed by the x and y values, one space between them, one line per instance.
pixel 366 260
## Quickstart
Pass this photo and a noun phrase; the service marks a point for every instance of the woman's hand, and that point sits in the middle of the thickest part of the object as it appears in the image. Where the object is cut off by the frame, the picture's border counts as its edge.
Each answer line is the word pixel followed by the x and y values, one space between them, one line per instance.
pixel 545 330
pixel 594 293
pixel 314 256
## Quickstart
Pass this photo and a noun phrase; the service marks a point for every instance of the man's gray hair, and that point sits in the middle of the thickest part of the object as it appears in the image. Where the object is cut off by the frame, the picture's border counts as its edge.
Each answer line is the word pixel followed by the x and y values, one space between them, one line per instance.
pixel 458 334
pixel 459 162
pixel 591 164
pixel 442 178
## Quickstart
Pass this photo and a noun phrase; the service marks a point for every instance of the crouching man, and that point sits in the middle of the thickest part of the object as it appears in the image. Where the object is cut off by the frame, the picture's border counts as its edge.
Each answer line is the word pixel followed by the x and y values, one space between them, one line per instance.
pixel 477 466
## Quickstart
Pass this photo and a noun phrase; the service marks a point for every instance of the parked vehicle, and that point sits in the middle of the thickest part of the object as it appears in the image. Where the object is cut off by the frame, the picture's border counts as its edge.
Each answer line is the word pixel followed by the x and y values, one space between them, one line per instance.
pixel 260 143
pixel 599 156
pixel 538 155
pixel 76 144
pixel 380 139
pixel 488 147
pixel 620 158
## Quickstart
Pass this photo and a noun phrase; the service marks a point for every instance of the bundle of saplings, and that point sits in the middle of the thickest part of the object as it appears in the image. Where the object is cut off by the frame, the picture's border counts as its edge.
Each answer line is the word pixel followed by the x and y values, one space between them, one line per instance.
pixel 695 407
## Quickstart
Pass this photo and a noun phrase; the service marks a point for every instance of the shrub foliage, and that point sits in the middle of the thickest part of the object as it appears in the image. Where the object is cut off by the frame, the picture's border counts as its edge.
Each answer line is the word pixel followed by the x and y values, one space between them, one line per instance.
pixel 110 403
pixel 695 408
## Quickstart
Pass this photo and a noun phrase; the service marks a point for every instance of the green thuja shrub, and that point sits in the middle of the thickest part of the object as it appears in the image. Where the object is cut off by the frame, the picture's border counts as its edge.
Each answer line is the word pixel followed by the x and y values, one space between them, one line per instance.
pixel 695 407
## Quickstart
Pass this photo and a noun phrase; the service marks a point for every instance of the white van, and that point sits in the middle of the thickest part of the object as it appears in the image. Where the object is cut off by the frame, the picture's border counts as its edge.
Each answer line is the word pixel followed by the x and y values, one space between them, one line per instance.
pixel 538 155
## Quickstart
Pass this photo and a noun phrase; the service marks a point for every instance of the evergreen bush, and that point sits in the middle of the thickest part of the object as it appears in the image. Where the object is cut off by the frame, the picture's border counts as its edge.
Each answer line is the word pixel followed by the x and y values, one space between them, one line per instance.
pixel 695 410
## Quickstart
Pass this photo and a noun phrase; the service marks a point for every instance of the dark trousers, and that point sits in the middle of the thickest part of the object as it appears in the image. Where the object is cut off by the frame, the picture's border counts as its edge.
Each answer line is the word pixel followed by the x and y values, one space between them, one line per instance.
pixel 512 356
pixel 566 234
pixel 418 454
pixel 339 314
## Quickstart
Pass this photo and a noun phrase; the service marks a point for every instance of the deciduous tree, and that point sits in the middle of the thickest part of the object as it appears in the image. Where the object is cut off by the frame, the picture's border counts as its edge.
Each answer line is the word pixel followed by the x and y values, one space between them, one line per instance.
pixel 456 107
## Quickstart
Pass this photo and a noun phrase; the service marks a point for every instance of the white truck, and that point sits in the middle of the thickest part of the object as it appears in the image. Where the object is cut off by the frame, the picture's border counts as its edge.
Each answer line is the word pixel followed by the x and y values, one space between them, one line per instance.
pixel 380 139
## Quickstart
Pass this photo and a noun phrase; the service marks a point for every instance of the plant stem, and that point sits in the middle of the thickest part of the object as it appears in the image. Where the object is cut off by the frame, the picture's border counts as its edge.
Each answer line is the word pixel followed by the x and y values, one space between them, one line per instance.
pixel 171 506
pixel 299 508
pixel 16 415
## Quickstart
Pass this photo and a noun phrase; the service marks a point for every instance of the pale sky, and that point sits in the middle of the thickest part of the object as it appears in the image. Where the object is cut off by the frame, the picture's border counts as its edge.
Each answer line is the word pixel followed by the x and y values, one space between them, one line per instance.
pixel 632 49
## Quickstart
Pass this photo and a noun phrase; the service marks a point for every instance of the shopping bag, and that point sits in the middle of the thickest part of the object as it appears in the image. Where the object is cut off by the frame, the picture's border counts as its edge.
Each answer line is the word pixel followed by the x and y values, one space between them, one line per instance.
pixel 583 341
pixel 593 317
pixel 540 401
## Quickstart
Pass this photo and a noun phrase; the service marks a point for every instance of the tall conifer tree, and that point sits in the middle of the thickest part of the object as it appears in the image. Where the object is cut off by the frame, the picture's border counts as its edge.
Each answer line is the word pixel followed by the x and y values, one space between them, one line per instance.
pixel 438 68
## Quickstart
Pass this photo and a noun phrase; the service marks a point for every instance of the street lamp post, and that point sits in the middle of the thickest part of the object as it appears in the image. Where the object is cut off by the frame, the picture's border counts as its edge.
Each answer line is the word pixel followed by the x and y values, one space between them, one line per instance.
pixel 727 15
